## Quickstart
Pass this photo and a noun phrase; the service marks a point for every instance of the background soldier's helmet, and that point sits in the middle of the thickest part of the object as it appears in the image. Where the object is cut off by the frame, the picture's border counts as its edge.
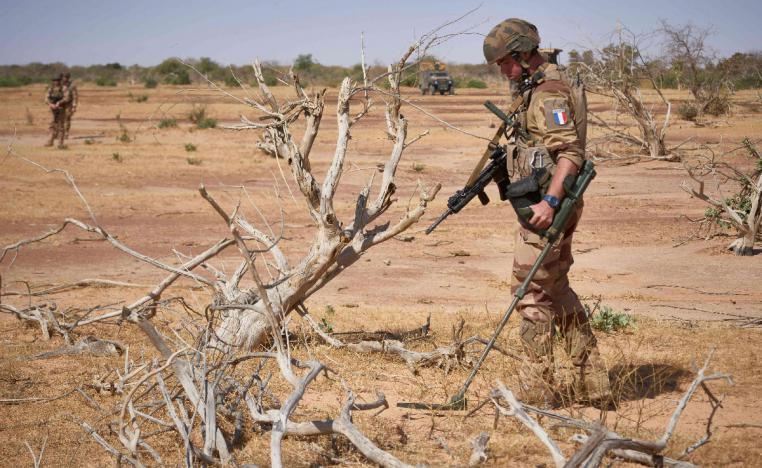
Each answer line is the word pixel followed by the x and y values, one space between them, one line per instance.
pixel 510 36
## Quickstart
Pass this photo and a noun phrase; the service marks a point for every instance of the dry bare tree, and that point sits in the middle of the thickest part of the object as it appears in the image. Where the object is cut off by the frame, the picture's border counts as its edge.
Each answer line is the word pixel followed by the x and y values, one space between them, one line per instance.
pixel 617 72
pixel 742 210
pixel 691 57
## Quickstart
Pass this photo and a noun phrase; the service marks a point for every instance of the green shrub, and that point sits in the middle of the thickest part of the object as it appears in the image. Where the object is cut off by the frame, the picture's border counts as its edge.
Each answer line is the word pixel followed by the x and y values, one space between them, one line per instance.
pixel 116 157
pixel 89 141
pixel 150 83
pixel 124 136
pixel 13 81
pixel 231 81
pixel 198 116
pixel 410 80
pixel 418 167
pixel 687 111
pixel 270 80
pixel 137 98
pixel 608 320
pixel 105 81
pixel 207 123
pixel 718 105
pixel 478 84
pixel 193 161
pixel 179 77
pixel 167 123
pixel 190 147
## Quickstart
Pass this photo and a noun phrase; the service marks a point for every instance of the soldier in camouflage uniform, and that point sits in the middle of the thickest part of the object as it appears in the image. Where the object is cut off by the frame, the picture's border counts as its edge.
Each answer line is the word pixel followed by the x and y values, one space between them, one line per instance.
pixel 56 97
pixel 551 135
pixel 71 108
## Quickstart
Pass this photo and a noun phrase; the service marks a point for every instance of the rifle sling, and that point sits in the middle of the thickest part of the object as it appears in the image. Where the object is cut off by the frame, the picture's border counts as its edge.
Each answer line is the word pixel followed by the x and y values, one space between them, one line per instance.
pixel 493 143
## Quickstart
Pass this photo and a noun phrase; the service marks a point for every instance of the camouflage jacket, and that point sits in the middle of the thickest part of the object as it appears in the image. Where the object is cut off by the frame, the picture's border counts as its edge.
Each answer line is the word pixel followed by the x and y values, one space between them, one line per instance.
pixel 550 119
pixel 60 95
pixel 54 94
pixel 74 94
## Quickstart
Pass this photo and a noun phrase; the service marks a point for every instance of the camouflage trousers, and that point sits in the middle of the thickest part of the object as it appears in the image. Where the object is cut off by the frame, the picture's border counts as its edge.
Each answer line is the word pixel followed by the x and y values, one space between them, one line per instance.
pixel 57 127
pixel 551 307
pixel 69 111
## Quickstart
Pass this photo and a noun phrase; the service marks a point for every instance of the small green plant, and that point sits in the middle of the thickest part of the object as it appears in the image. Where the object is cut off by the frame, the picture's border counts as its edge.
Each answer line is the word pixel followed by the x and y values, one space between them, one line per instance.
pixel 150 83
pixel 116 157
pixel 198 116
pixel 189 147
pixel 124 136
pixel 688 111
pixel 609 320
pixel 325 325
pixel 418 167
pixel 193 161
pixel 167 123
pixel 207 123
pixel 478 84
pixel 137 98
pixel 89 141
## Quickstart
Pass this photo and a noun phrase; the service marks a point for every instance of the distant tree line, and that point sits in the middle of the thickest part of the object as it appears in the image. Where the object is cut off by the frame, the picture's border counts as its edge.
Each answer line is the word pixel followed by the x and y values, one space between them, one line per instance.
pixel 197 71
pixel 677 69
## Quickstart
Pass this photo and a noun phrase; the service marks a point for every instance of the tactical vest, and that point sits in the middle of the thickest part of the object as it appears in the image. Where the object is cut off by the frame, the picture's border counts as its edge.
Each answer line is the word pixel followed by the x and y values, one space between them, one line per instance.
pixel 55 94
pixel 532 154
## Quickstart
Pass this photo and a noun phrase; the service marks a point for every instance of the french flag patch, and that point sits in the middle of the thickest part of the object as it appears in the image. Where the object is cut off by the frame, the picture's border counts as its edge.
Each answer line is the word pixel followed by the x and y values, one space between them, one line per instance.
pixel 560 117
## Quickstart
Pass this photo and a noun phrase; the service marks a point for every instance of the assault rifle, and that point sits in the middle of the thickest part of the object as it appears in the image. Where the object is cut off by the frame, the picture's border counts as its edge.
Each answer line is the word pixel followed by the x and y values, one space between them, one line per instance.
pixel 522 193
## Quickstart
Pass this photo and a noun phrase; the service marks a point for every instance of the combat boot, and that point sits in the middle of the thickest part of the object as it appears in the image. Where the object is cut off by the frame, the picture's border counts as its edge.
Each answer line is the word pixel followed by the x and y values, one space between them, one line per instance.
pixel 537 384
pixel 592 384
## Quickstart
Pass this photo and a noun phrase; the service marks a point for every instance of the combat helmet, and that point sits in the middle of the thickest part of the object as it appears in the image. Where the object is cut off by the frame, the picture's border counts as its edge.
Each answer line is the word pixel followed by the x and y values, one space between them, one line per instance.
pixel 511 36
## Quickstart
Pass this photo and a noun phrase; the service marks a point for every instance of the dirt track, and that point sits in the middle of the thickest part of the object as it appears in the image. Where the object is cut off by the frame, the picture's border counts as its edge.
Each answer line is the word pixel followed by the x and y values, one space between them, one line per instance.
pixel 626 248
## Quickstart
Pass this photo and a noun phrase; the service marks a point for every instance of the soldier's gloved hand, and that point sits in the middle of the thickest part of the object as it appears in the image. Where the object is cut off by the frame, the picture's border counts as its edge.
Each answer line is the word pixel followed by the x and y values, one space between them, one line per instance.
pixel 543 215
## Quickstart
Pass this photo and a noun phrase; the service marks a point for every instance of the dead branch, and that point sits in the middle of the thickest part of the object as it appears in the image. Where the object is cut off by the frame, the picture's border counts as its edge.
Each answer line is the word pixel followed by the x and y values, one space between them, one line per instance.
pixel 479 453
pixel 516 409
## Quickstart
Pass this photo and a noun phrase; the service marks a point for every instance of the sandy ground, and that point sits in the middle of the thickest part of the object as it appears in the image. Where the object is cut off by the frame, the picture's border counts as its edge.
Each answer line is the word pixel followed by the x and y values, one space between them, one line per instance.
pixel 633 252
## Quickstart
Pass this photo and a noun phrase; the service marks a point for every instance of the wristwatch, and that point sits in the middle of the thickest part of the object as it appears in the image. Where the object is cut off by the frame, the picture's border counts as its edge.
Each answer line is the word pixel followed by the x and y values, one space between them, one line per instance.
pixel 552 201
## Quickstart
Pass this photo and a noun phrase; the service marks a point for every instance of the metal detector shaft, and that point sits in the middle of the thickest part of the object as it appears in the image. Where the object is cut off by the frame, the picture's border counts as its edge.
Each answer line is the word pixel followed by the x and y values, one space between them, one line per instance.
pixel 458 401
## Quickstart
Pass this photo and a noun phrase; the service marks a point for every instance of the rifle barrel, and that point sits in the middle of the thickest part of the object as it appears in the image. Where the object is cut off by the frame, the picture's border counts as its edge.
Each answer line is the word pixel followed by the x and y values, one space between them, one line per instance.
pixel 438 221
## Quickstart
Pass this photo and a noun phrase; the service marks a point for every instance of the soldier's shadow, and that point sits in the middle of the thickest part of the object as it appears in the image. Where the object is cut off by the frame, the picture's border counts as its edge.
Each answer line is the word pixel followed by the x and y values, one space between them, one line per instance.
pixel 637 381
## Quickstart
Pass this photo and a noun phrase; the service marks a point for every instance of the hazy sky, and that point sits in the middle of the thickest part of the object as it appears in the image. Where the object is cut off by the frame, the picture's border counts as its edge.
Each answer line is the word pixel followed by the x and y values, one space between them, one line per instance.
pixel 83 32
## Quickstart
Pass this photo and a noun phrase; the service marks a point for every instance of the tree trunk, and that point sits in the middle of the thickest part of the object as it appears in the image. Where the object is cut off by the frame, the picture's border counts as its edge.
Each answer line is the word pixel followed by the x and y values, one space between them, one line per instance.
pixel 743 245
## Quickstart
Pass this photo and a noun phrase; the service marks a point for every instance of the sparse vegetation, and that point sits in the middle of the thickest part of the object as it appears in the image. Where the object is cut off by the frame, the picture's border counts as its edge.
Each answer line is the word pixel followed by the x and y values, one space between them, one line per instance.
pixel 150 82
pixel 116 157
pixel 167 123
pixel 687 111
pixel 193 161
pixel 478 84
pixel 198 117
pixel 105 81
pixel 137 97
pixel 418 167
pixel 190 147
pixel 608 320
pixel 124 135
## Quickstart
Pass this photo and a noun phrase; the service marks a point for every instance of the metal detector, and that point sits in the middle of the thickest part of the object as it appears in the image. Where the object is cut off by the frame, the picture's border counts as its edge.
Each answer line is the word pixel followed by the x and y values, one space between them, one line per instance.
pixel 574 190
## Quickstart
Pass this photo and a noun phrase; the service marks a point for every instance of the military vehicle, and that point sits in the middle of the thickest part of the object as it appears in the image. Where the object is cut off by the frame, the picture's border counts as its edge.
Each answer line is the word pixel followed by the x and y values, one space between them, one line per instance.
pixel 434 78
